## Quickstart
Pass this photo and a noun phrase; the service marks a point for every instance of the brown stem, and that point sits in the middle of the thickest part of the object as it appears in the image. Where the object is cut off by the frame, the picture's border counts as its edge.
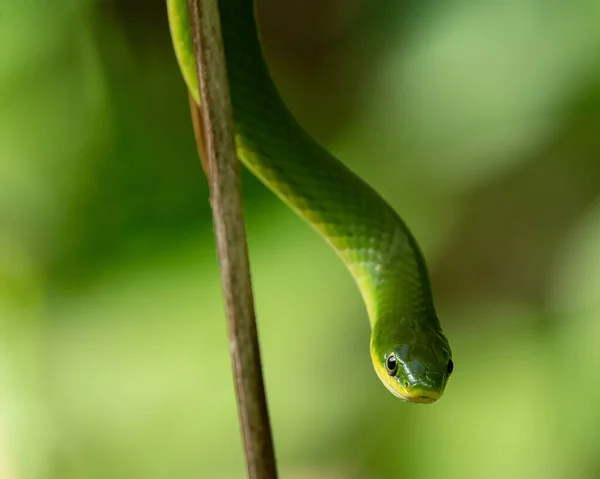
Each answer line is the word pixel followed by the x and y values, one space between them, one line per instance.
pixel 223 173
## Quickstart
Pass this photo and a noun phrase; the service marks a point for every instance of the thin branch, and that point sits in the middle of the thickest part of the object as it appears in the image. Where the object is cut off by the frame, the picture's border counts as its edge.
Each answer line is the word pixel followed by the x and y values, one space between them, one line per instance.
pixel 226 200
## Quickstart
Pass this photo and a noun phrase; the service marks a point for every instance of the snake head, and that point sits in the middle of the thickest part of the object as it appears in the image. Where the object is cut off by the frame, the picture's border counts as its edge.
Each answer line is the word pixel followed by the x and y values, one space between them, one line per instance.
pixel 414 365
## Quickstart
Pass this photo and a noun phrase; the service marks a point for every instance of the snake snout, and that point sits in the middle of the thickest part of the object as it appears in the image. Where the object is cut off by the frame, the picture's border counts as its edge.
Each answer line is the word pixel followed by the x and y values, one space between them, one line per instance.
pixel 424 392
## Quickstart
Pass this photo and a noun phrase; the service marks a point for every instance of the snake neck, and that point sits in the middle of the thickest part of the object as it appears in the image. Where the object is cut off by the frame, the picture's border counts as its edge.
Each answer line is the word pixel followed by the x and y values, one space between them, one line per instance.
pixel 362 228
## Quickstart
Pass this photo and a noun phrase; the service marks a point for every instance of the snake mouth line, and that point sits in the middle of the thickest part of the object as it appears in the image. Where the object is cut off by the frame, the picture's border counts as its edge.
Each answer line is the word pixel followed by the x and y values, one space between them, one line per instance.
pixel 420 396
pixel 423 397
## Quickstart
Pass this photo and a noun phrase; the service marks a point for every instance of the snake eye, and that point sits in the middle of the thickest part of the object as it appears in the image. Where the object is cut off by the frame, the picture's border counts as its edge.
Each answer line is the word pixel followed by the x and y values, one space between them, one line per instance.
pixel 391 365
pixel 449 368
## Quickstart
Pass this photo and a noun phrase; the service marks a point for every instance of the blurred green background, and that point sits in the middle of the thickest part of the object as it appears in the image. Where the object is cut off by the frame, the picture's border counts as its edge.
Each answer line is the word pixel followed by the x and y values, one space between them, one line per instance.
pixel 479 121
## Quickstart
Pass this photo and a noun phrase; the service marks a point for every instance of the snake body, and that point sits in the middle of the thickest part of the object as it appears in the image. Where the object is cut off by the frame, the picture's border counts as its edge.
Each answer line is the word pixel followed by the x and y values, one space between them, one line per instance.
pixel 410 353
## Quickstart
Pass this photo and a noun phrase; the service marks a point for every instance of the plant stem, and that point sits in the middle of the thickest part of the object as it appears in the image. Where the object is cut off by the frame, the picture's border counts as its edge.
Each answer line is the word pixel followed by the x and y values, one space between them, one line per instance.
pixel 215 125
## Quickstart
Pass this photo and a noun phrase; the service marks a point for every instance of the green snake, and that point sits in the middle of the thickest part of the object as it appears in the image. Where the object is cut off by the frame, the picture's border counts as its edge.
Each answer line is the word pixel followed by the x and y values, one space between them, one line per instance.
pixel 410 353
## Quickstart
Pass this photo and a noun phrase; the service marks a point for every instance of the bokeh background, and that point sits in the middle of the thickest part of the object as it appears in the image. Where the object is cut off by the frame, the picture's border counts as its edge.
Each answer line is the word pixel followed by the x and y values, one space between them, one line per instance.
pixel 478 121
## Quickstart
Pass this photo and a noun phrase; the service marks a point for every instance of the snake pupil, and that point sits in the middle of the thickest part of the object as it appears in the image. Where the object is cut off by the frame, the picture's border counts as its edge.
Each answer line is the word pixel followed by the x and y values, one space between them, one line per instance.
pixel 391 365
pixel 449 368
